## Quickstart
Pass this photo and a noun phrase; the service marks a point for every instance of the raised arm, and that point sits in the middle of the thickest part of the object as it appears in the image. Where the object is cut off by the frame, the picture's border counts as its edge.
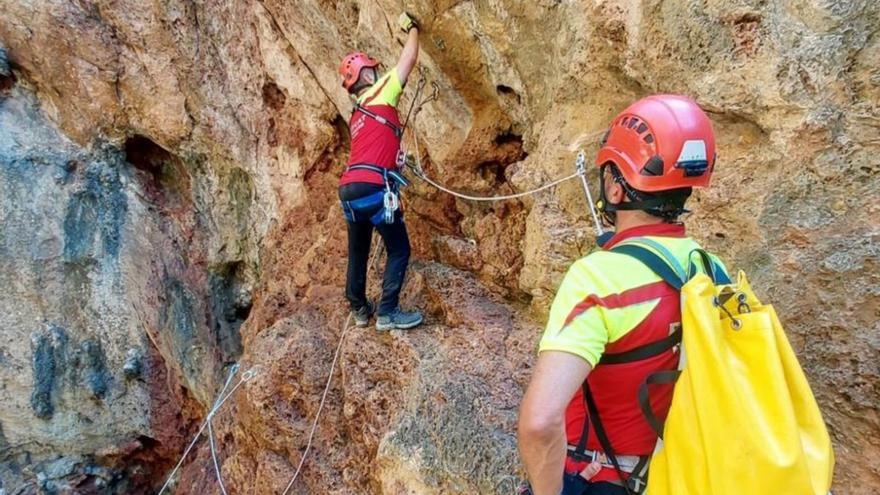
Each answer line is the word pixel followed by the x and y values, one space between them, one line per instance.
pixel 410 53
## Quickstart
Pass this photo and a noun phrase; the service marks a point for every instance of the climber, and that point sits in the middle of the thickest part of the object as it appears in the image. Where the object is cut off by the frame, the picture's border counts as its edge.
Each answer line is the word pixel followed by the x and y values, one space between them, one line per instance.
pixel 369 186
pixel 654 153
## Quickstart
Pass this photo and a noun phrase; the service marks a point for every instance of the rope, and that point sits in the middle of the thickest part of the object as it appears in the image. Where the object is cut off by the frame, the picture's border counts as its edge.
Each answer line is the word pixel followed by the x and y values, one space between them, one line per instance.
pixel 218 402
pixel 499 198
pixel 420 172
pixel 308 448
pixel 320 406
pixel 222 397
pixel 214 458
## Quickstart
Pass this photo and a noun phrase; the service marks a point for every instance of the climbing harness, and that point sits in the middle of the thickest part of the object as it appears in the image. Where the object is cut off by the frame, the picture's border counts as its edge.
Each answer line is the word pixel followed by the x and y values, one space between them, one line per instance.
pixel 381 205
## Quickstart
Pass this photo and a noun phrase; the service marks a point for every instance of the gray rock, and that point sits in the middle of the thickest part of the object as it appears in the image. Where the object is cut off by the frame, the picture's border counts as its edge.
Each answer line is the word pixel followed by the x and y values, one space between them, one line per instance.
pixel 133 366
pixel 96 375
pixel 5 70
pixel 43 363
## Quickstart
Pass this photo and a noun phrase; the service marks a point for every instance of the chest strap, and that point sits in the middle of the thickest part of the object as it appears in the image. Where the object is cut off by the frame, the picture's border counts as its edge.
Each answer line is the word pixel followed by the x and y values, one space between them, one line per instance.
pixel 398 131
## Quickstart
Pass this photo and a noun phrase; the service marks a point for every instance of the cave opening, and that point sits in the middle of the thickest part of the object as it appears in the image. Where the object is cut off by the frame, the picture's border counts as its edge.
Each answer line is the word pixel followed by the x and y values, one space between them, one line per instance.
pixel 161 174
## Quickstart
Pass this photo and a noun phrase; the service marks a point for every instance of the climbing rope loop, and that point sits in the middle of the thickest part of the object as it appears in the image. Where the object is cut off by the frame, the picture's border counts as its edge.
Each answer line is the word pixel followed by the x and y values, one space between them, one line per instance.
pixel 221 399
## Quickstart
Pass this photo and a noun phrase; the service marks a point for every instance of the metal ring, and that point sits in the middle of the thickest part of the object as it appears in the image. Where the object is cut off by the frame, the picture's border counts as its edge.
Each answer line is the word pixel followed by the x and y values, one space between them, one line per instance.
pixel 743 305
pixel 247 375
pixel 735 324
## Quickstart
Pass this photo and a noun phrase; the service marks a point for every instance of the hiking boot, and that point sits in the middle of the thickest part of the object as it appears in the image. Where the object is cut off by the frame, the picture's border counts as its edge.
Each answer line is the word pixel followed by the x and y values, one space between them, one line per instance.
pixel 398 320
pixel 363 314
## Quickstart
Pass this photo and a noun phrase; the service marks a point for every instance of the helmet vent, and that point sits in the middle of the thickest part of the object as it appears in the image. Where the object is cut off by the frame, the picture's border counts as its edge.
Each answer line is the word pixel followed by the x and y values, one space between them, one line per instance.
pixel 632 123
pixel 649 138
pixel 642 128
pixel 654 167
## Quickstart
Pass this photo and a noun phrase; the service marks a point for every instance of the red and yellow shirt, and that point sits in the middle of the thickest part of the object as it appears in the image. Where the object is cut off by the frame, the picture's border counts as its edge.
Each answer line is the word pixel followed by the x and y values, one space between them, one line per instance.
pixel 609 303
pixel 373 142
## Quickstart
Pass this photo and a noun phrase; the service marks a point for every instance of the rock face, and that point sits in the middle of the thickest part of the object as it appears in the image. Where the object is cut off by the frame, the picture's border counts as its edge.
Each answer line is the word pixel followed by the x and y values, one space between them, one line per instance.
pixel 167 198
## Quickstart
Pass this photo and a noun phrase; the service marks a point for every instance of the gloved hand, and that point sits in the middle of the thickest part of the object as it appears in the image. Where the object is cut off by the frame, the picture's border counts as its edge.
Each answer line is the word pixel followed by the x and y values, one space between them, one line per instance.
pixel 407 22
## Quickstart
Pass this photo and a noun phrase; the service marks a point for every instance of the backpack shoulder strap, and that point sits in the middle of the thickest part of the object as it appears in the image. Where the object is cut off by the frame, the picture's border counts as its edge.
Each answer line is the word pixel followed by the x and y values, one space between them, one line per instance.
pixel 710 267
pixel 657 258
pixel 667 268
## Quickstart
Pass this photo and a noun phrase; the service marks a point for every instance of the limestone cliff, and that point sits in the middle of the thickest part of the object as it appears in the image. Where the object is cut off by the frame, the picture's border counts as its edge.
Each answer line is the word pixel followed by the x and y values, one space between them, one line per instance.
pixel 168 207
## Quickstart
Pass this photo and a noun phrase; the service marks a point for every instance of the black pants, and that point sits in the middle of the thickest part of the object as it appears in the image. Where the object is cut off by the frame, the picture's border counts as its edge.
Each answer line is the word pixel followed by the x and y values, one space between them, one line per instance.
pixel 576 485
pixel 360 235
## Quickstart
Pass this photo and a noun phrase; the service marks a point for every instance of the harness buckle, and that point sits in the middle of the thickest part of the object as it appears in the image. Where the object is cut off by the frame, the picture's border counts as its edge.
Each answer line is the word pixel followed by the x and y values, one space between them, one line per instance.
pixel 636 483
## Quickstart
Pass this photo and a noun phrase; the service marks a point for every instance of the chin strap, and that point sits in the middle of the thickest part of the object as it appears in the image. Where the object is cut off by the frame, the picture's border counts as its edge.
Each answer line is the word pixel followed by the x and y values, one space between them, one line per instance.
pixel 668 205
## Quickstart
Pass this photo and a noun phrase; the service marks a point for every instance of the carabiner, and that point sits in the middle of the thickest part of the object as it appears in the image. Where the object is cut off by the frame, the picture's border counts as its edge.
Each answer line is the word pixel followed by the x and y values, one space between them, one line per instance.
pixel 391 204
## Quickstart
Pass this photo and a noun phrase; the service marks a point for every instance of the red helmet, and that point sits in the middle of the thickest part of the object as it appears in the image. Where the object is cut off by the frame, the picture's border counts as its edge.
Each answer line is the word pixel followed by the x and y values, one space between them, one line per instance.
pixel 661 142
pixel 350 68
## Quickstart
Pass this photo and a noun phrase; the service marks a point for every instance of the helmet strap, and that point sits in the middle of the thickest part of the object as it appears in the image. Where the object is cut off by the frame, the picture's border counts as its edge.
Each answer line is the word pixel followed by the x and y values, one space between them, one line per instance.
pixel 668 205
pixel 607 211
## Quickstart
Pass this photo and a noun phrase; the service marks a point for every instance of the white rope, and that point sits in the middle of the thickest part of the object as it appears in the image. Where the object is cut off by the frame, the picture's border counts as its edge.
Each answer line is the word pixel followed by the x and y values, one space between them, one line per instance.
pixel 420 172
pixel 499 198
pixel 214 457
pixel 221 399
pixel 302 459
pixel 248 375
pixel 320 406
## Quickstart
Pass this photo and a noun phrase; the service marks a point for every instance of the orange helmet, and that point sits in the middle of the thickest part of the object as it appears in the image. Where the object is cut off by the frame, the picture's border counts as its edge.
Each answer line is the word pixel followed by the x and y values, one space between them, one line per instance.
pixel 351 66
pixel 659 143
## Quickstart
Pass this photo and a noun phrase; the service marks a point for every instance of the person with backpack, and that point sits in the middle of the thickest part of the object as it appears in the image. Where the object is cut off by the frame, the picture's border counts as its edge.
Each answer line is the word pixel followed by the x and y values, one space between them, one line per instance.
pixel 614 321
pixel 368 189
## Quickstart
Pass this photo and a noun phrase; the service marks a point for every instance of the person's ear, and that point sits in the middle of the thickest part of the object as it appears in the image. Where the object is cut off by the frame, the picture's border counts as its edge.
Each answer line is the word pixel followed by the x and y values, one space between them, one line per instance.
pixel 614 192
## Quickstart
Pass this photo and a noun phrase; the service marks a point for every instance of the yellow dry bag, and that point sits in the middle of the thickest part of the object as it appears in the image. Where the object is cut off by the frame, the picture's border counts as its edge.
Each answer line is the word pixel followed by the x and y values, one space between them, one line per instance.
pixel 743 420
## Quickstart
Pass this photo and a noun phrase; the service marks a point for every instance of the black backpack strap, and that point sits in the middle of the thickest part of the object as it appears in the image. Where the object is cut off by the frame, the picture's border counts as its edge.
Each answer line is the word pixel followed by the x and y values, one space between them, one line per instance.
pixel 602 436
pixel 645 351
pixel 579 452
pixel 658 377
